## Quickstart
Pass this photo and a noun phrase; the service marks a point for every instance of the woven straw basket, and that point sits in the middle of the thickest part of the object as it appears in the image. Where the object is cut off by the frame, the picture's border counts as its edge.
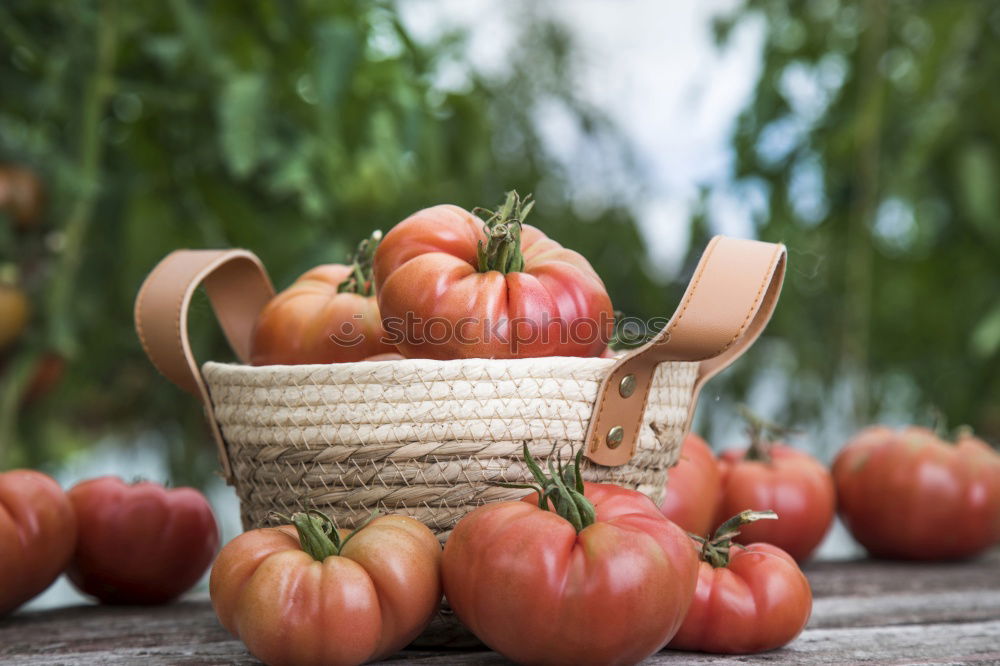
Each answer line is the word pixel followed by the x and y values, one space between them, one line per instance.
pixel 432 439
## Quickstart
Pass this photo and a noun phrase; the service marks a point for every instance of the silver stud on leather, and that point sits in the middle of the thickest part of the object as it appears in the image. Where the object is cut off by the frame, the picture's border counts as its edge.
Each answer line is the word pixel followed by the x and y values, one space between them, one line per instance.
pixel 615 437
pixel 627 386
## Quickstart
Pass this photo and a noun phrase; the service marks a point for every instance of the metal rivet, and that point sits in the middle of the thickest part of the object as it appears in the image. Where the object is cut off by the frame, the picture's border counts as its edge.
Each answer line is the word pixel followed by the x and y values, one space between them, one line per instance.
pixel 627 387
pixel 615 437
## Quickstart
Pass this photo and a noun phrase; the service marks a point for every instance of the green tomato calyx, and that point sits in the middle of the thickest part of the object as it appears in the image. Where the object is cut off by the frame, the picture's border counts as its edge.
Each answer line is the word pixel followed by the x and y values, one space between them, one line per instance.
pixel 716 550
pixel 561 490
pixel 360 280
pixel 319 536
pixel 502 251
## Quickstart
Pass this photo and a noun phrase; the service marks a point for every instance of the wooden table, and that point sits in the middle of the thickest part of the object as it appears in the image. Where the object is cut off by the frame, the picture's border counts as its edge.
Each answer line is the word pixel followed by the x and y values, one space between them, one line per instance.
pixel 864 611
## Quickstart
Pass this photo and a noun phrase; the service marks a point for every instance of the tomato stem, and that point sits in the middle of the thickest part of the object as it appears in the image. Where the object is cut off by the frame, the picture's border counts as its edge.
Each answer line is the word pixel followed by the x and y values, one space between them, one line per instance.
pixel 716 550
pixel 562 487
pixel 762 434
pixel 961 432
pixel 319 536
pixel 360 280
pixel 502 251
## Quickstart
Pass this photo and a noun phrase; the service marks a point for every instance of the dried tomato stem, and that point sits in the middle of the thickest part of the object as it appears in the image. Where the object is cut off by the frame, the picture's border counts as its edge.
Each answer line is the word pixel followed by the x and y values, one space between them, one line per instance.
pixel 716 550
pixel 762 434
pixel 360 280
pixel 502 251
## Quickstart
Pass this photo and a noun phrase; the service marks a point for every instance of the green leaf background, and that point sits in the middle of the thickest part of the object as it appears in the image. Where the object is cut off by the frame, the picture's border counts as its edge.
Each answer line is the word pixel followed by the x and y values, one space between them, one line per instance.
pixel 293 129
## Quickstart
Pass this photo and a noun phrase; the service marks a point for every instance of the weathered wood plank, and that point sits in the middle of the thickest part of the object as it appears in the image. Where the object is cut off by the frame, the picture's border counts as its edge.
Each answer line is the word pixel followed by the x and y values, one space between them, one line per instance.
pixel 977 642
pixel 868 578
pixel 107 628
pixel 950 643
pixel 231 652
pixel 870 611
pixel 896 609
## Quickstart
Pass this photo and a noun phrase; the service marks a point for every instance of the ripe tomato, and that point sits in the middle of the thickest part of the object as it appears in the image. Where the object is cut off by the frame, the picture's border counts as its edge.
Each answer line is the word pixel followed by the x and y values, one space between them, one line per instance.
pixel 329 315
pixel 747 600
pixel 328 597
pixel 37 535
pixel 793 483
pixel 909 495
pixel 450 286
pixel 603 578
pixel 14 311
pixel 21 195
pixel 694 488
pixel 140 543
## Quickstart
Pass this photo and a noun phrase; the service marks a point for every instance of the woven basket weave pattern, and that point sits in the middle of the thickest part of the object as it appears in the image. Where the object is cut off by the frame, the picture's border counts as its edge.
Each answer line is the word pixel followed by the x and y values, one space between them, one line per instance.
pixel 429 439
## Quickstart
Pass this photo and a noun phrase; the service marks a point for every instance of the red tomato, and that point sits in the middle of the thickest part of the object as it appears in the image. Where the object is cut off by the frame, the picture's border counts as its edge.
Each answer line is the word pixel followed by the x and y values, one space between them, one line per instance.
pixel 140 543
pixel 747 600
pixel 792 483
pixel 329 315
pixel 448 289
pixel 694 488
pixel 37 535
pixel 539 589
pixel 909 495
pixel 338 598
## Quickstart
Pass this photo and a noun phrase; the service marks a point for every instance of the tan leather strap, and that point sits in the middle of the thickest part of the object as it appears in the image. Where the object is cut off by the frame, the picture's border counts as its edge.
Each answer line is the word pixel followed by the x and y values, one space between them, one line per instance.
pixel 726 306
pixel 238 288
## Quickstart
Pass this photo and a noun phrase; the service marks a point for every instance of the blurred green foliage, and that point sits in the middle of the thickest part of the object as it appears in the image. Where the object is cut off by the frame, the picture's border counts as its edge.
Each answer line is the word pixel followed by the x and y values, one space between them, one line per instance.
pixel 292 129
pixel 870 146
pixel 872 140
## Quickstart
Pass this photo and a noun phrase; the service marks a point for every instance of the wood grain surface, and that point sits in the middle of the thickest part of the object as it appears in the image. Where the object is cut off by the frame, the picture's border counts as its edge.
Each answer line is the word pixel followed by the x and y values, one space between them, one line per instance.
pixel 865 612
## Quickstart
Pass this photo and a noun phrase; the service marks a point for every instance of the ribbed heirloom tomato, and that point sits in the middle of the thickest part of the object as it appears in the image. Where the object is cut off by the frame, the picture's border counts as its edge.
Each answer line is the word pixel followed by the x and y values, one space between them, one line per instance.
pixel 312 595
pixel 140 543
pixel 451 286
pixel 602 578
pixel 37 535
pixel 770 475
pixel 694 488
pixel 908 494
pixel 748 599
pixel 329 315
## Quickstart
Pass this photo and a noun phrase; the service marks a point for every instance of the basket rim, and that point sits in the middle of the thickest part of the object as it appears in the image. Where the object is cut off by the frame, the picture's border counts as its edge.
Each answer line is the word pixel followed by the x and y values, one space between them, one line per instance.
pixel 537 366
pixel 415 362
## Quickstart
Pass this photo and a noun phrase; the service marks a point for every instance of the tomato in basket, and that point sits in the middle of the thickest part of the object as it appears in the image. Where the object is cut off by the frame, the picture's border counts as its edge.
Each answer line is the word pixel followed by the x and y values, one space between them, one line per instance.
pixel 329 315
pixel 452 286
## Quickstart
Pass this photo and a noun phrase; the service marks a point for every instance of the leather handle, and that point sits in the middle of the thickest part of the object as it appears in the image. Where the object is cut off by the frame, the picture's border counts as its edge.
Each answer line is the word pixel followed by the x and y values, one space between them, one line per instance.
pixel 725 308
pixel 238 288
